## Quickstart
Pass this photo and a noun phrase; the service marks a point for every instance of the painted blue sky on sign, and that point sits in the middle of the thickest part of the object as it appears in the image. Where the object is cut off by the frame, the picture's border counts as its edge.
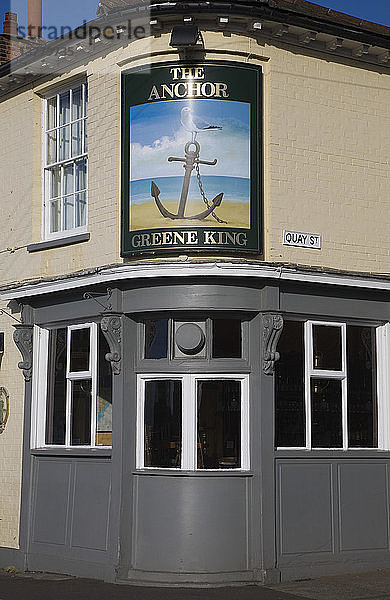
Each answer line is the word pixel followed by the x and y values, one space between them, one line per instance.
pixel 157 133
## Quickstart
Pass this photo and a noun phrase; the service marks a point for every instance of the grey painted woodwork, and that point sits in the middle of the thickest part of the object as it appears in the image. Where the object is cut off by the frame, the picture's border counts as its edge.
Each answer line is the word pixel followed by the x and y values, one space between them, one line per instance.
pixel 330 510
pixel 176 515
pixel 192 296
pixel 294 512
pixel 339 304
pixel 23 338
pixel 70 508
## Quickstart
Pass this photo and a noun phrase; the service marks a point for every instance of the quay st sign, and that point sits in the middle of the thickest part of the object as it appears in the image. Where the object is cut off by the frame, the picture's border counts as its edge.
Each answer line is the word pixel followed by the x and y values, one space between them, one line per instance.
pixel 191 159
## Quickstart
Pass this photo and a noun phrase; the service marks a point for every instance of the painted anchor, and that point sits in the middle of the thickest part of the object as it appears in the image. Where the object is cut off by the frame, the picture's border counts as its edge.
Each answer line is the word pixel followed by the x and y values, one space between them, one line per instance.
pixel 191 161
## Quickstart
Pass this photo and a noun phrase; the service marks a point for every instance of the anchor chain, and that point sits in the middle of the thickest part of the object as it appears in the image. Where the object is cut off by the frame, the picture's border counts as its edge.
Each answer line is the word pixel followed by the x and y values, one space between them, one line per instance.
pixel 205 199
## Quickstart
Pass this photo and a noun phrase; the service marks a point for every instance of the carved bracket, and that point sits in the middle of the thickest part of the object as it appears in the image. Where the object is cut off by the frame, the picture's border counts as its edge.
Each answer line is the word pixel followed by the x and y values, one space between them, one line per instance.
pixel 272 328
pixel 112 328
pixel 23 338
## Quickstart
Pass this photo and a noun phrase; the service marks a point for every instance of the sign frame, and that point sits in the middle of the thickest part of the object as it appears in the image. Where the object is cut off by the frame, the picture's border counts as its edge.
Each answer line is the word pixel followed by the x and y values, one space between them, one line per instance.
pixel 204 238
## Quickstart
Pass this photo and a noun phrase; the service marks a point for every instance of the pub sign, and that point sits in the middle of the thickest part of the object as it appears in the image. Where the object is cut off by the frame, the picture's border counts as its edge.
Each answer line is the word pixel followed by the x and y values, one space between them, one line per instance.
pixel 191 158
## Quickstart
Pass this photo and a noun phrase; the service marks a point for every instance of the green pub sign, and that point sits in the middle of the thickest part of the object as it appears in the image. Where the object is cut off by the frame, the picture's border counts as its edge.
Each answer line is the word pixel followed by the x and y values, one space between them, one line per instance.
pixel 191 158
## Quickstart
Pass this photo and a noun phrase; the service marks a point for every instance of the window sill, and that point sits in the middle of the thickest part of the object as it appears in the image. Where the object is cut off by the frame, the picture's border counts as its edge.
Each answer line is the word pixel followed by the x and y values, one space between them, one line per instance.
pixel 57 243
pixel 327 453
pixel 183 473
pixel 91 452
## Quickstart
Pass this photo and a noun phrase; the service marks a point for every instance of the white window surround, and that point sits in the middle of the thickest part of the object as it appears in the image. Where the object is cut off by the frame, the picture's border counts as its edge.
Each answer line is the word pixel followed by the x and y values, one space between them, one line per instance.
pixel 189 418
pixel 382 386
pixel 40 387
pixel 64 231
pixel 311 372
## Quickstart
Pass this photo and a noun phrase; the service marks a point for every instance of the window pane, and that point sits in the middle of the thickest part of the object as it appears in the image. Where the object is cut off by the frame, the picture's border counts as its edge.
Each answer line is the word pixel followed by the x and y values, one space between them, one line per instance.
pixel 79 349
pixel 76 103
pixel 85 100
pixel 64 143
pixel 55 216
pixel 76 139
pixel 55 182
pixel 290 387
pixel 104 396
pixel 68 180
pixel 81 412
pixel 361 380
pixel 81 209
pixel 85 135
pixel 64 108
pixel 156 338
pixel 56 388
pixel 327 348
pixel 81 175
pixel 326 414
pixel 219 424
pixel 162 423
pixel 226 338
pixel 51 147
pixel 69 212
pixel 52 113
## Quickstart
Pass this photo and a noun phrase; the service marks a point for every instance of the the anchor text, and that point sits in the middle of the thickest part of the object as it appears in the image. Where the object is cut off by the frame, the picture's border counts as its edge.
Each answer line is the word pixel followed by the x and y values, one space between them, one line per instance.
pixel 189 89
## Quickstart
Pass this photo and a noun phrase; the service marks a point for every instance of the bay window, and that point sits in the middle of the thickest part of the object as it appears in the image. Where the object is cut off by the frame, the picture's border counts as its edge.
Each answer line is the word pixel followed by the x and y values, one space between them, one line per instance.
pixel 326 393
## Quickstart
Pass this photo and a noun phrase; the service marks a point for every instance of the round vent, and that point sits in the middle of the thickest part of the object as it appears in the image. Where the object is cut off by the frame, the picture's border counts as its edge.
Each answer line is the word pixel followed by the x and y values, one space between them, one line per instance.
pixel 190 338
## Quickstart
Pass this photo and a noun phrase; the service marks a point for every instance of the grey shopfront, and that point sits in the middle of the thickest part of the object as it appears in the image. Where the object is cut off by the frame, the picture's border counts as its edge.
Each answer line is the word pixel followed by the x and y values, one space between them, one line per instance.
pixel 194 489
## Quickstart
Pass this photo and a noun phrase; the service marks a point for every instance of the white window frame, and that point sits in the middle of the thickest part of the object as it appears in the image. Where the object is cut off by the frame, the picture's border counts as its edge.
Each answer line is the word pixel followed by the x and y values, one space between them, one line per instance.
pixel 189 419
pixel 62 233
pixel 40 387
pixel 338 375
pixel 382 386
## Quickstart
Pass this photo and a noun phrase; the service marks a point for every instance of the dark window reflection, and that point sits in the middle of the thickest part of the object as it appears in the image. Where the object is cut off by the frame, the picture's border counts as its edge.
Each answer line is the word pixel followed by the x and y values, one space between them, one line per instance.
pixel 104 396
pixel 361 368
pixel 327 348
pixel 156 338
pixel 226 338
pixel 81 412
pixel 326 414
pixel 56 389
pixel 219 424
pixel 162 423
pixel 79 349
pixel 289 384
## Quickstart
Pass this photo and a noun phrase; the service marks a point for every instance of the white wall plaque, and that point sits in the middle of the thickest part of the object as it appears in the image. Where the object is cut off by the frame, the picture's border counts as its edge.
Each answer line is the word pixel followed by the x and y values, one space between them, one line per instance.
pixel 303 240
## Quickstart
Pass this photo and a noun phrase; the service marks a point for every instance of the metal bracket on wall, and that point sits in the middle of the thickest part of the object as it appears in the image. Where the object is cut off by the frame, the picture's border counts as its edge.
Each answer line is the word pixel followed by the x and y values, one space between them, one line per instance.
pixel 23 338
pixel 272 324
pixel 92 296
pixel 112 328
pixel 4 408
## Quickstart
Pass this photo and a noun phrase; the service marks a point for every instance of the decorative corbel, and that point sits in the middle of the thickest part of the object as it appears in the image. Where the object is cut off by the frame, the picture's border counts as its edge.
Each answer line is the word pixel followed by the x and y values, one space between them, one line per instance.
pixel 23 338
pixel 272 328
pixel 112 328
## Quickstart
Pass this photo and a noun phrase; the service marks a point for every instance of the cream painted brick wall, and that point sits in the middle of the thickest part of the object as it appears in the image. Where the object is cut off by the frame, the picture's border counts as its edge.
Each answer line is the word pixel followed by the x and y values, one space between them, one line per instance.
pixel 328 138
pixel 326 161
pixel 11 440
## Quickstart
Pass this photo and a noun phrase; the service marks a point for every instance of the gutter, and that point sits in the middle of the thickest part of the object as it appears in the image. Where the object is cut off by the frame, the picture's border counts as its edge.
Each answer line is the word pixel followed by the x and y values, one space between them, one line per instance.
pixel 158 271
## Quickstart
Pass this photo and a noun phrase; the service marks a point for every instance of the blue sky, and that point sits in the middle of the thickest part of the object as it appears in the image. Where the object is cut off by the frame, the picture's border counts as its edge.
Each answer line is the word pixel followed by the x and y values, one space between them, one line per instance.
pixel 72 12
pixel 56 13
pixel 377 11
